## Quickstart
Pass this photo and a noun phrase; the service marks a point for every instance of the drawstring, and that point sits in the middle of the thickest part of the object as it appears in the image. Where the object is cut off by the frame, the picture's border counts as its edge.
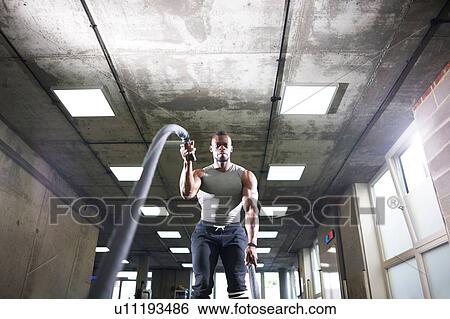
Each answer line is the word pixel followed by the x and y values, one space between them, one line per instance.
pixel 219 227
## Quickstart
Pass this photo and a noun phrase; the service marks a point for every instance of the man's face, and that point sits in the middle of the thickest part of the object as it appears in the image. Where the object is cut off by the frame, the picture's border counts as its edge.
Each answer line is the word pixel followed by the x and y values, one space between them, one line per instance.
pixel 221 148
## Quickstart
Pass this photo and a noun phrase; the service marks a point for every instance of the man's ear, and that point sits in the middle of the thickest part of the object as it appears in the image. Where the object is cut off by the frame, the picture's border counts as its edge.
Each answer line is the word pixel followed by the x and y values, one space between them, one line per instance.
pixel 210 149
pixel 231 149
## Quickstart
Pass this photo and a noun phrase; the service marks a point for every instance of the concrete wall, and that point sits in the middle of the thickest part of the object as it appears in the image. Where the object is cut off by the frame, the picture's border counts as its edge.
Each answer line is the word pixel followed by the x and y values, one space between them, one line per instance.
pixel 432 115
pixel 371 251
pixel 352 251
pixel 165 281
pixel 38 260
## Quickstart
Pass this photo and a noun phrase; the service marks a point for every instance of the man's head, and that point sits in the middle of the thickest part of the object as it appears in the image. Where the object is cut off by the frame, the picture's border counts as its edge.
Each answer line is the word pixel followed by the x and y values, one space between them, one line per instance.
pixel 221 147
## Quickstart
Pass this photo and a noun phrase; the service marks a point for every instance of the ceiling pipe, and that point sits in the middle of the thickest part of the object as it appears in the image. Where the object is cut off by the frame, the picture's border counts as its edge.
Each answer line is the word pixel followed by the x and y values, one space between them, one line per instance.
pixel 276 95
pixel 119 84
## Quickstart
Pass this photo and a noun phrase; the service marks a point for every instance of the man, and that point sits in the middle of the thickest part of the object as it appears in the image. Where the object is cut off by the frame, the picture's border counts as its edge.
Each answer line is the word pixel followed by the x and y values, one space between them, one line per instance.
pixel 223 189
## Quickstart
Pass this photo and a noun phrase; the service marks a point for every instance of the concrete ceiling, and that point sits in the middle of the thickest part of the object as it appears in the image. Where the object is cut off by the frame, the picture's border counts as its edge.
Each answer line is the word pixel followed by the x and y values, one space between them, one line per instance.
pixel 209 65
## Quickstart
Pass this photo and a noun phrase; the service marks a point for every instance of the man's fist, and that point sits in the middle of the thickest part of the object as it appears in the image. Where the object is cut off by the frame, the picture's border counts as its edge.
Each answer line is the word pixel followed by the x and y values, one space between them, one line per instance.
pixel 186 149
pixel 251 257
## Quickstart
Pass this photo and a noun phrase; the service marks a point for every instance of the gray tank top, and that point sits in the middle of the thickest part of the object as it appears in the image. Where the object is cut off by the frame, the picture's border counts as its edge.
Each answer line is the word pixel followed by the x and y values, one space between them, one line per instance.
pixel 220 195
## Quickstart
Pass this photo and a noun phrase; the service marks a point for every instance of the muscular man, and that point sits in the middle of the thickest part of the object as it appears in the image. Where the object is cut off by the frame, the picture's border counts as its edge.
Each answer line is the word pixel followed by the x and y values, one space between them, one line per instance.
pixel 223 189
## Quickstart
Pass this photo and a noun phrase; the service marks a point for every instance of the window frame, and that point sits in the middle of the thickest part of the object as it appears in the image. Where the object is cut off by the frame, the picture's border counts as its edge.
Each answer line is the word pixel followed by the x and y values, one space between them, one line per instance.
pixel 419 247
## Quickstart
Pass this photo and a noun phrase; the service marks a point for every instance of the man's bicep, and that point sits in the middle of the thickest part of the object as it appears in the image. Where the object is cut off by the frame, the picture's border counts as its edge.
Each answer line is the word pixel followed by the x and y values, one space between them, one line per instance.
pixel 250 186
pixel 197 180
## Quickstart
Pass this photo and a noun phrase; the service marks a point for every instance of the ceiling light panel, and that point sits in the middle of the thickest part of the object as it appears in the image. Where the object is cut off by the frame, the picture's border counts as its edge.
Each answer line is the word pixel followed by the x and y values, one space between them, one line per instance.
pixel 154 211
pixel 179 250
pixel 285 172
pixel 307 99
pixel 127 173
pixel 169 234
pixel 85 102
pixel 273 211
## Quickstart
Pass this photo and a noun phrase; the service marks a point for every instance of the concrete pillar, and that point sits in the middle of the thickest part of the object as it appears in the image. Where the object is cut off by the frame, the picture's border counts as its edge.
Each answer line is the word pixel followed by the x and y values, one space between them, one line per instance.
pixel 142 274
pixel 284 283
pixel 262 286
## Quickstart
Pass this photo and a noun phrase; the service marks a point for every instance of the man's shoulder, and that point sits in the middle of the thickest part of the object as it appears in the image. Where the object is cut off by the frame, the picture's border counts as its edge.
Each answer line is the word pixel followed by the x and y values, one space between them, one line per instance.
pixel 239 168
pixel 199 172
pixel 247 174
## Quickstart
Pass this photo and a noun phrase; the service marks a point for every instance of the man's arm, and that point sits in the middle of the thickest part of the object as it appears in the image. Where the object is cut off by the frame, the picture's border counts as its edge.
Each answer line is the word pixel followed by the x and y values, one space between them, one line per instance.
pixel 250 203
pixel 190 180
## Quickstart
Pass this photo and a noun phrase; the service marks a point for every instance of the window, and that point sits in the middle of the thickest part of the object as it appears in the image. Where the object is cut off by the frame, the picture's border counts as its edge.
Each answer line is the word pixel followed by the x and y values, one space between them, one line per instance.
pixel 437 267
pixel 315 262
pixel 272 285
pixel 404 280
pixel 413 164
pixel 412 237
pixel 392 224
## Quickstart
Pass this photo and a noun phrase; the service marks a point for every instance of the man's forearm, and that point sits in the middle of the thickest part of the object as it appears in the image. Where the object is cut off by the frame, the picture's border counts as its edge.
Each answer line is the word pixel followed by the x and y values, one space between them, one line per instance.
pixel 187 179
pixel 252 223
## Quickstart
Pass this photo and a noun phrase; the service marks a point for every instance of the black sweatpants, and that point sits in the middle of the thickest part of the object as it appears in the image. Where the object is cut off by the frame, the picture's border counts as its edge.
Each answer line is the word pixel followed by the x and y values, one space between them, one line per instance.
pixel 208 242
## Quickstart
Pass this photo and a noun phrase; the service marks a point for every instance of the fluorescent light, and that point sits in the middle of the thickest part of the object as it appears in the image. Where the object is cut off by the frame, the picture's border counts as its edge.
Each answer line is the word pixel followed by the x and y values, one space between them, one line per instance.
pixel 85 103
pixel 263 250
pixel 332 250
pixel 179 250
pixel 131 274
pixel 269 234
pixel 127 274
pixel 169 234
pixel 285 172
pixel 154 211
pixel 187 265
pixel 273 211
pixel 259 265
pixel 127 173
pixel 307 99
pixel 324 265
pixel 125 261
pixel 101 249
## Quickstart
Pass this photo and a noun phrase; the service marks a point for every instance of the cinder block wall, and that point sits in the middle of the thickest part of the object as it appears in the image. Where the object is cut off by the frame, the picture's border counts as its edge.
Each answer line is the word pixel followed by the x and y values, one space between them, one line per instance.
pixel 38 260
pixel 432 114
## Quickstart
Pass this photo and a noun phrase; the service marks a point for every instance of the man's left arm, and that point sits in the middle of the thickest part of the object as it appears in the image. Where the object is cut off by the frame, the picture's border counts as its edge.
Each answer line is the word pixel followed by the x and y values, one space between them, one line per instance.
pixel 250 203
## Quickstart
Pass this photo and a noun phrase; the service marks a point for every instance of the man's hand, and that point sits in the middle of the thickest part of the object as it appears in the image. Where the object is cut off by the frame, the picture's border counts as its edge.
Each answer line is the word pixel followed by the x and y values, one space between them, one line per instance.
pixel 186 149
pixel 250 255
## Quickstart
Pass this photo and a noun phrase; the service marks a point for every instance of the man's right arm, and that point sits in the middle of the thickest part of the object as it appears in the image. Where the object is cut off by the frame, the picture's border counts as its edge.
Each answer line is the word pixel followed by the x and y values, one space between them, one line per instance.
pixel 190 179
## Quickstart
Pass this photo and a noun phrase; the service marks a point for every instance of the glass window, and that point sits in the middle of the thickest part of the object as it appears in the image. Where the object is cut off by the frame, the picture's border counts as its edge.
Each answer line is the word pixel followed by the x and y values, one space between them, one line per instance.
pixel 316 268
pixel 437 263
pixel 394 232
pixel 414 164
pixel 116 290
pixel 272 285
pixel 297 284
pixel 424 210
pixel 128 289
pixel 405 281
pixel 420 197
pixel 332 285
